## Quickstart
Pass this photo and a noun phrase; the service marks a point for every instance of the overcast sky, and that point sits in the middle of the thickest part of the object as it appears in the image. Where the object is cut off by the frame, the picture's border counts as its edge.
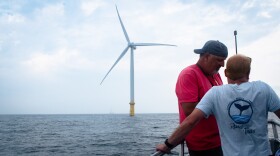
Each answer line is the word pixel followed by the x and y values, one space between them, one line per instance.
pixel 54 53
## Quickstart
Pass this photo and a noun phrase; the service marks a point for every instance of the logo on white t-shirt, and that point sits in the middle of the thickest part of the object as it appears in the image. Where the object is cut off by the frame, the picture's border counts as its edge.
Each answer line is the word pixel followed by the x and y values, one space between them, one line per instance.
pixel 240 111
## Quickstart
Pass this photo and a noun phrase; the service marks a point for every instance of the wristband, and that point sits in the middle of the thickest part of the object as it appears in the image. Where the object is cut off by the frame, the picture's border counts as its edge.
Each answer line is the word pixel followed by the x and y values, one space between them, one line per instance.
pixel 170 146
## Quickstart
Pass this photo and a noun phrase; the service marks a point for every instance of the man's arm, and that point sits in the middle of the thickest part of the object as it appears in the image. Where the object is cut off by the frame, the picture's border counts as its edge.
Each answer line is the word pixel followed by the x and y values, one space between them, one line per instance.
pixel 188 107
pixel 185 127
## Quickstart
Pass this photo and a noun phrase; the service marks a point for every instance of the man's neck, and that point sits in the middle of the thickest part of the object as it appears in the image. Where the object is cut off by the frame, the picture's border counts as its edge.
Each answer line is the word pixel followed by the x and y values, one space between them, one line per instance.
pixel 238 81
pixel 201 68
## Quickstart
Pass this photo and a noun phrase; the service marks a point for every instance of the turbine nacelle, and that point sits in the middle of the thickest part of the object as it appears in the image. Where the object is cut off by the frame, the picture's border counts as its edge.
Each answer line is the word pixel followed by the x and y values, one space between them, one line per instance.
pixel 132 45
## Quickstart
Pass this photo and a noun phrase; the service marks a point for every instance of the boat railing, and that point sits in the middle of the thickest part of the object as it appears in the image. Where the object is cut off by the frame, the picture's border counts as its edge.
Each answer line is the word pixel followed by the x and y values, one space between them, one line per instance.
pixel 158 153
pixel 274 141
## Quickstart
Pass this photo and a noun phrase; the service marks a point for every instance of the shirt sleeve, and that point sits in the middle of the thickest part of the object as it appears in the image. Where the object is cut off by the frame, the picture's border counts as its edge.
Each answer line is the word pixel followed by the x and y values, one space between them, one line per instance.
pixel 273 100
pixel 207 102
pixel 187 87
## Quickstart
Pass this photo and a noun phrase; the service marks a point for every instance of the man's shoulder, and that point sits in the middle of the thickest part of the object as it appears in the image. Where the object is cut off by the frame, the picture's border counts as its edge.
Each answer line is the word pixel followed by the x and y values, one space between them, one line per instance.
pixel 262 85
pixel 190 69
pixel 259 83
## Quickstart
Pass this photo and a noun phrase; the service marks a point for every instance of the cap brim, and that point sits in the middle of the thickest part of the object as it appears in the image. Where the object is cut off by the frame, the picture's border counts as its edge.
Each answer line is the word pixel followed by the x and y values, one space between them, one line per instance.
pixel 198 51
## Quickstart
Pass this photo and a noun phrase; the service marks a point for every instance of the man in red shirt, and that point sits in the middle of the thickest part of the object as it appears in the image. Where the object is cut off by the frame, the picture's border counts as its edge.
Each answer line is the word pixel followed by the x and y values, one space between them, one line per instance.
pixel 192 84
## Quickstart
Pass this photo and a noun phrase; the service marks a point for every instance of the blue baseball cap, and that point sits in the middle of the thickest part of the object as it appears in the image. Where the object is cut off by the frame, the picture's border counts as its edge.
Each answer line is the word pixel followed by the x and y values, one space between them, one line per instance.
pixel 213 47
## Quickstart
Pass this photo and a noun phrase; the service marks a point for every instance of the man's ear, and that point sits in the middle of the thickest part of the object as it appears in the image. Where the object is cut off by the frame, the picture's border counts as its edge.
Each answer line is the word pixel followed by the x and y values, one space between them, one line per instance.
pixel 248 75
pixel 206 56
pixel 226 73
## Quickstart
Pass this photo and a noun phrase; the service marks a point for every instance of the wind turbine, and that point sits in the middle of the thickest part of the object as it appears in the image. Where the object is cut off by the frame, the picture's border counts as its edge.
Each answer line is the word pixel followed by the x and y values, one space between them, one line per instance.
pixel 132 46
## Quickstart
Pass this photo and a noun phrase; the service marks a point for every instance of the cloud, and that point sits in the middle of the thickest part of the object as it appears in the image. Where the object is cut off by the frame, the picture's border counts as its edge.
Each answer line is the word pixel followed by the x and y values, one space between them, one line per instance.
pixel 264 52
pixel 13 18
pixel 53 10
pixel 42 63
pixel 264 14
pixel 249 4
pixel 89 6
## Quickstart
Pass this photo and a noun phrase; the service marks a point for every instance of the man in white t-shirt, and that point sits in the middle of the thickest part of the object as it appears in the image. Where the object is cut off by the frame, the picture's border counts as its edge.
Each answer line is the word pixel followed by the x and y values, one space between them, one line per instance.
pixel 241 109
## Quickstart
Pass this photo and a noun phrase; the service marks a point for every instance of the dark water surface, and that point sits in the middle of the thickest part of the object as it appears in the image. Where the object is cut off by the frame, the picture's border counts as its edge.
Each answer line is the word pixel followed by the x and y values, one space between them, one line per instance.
pixel 111 134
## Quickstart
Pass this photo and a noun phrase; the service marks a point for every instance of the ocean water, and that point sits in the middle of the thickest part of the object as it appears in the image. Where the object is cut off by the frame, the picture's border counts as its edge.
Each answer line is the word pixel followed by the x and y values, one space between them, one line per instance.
pixel 108 134
pixel 85 135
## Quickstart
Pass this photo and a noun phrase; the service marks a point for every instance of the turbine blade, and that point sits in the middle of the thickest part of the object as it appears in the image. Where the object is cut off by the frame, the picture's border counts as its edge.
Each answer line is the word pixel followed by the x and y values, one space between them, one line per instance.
pixel 152 44
pixel 123 28
pixel 122 54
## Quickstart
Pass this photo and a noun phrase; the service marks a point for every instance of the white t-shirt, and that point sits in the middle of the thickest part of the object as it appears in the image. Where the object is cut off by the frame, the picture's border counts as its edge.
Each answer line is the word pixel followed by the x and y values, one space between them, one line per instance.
pixel 241 112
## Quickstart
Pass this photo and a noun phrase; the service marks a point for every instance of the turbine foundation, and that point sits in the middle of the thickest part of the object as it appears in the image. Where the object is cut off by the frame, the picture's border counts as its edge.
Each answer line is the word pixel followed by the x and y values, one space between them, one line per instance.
pixel 131 112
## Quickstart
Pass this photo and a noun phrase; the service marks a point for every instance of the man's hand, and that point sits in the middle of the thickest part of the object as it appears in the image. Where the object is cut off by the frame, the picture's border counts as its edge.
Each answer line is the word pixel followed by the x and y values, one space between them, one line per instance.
pixel 163 148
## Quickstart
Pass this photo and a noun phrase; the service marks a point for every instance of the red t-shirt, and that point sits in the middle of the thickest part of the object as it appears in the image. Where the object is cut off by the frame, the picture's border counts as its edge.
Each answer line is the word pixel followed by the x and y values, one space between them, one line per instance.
pixel 192 84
